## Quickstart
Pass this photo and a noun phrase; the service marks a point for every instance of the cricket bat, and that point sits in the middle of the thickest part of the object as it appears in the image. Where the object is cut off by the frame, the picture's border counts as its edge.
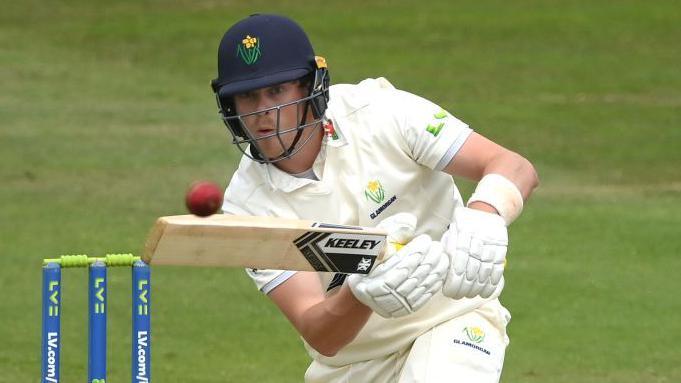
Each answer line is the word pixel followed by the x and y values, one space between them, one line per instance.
pixel 263 243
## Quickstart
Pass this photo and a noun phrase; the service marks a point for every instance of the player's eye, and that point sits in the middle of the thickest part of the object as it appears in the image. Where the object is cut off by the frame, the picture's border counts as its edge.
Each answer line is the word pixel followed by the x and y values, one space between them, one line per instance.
pixel 245 96
pixel 276 90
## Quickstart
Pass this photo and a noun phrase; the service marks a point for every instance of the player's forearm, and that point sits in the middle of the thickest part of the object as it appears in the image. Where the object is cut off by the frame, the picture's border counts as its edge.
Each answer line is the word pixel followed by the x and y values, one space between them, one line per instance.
pixel 334 322
pixel 479 157
pixel 516 169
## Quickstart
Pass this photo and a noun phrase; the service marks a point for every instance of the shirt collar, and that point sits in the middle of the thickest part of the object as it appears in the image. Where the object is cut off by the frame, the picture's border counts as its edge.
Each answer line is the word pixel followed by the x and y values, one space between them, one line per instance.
pixel 278 179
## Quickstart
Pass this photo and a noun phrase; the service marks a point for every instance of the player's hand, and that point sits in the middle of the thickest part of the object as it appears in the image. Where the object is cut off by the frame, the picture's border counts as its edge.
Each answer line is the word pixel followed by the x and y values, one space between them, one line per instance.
pixel 476 244
pixel 408 279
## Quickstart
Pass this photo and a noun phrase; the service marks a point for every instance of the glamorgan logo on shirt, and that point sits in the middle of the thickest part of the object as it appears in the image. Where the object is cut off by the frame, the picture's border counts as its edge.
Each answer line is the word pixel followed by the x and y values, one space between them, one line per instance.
pixel 435 127
pixel 475 334
pixel 375 192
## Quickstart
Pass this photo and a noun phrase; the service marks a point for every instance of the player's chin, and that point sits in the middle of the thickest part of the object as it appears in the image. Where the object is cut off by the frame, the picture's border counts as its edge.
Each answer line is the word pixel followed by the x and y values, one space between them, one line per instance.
pixel 272 150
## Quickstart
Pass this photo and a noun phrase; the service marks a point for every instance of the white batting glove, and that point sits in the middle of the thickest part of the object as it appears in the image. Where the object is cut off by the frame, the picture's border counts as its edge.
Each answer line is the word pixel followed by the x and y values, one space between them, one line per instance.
pixel 401 228
pixel 476 244
pixel 405 282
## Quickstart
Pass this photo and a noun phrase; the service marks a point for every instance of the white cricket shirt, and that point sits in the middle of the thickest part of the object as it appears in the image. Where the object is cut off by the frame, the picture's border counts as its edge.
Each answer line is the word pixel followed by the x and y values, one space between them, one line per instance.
pixel 382 157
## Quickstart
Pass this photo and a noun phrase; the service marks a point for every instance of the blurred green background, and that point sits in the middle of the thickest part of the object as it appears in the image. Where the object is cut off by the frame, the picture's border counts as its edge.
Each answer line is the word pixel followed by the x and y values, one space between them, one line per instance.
pixel 106 116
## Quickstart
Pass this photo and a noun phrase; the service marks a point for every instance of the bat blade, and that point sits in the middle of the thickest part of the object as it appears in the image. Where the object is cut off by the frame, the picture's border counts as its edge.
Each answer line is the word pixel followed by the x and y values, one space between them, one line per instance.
pixel 263 243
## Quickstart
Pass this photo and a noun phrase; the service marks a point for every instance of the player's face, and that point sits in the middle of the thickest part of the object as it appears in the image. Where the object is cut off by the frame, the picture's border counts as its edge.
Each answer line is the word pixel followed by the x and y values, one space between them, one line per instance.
pixel 264 124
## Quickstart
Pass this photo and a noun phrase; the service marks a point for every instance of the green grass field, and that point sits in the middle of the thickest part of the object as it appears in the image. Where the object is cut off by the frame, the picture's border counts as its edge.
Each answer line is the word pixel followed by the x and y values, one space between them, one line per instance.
pixel 106 116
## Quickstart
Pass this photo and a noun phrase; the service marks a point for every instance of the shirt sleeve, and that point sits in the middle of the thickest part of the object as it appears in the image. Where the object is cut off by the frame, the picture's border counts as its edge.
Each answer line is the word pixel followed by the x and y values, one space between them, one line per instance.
pixel 431 134
pixel 267 280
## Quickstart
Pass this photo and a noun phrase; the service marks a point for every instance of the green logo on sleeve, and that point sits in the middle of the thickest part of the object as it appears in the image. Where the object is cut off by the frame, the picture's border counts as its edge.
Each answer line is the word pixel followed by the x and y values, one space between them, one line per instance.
pixel 440 115
pixel 435 127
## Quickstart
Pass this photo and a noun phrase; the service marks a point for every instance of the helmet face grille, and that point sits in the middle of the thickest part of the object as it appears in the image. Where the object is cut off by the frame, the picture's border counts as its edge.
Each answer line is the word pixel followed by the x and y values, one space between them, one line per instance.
pixel 316 102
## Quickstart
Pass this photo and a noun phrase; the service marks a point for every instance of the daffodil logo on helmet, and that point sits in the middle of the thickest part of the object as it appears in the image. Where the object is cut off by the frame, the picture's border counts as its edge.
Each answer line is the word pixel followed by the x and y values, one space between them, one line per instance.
pixel 249 49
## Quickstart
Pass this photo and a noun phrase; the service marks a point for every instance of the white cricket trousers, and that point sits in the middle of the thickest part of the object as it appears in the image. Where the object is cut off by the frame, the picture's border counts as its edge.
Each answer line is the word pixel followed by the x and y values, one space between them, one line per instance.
pixel 468 348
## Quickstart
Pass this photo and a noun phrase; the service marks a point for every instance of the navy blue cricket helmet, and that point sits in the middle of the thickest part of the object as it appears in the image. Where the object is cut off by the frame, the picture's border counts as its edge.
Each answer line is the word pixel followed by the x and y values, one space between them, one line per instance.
pixel 263 50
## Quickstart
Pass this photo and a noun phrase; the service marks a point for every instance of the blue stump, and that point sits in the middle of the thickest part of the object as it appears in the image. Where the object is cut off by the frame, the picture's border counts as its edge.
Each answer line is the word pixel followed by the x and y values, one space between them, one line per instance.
pixel 51 334
pixel 97 323
pixel 141 322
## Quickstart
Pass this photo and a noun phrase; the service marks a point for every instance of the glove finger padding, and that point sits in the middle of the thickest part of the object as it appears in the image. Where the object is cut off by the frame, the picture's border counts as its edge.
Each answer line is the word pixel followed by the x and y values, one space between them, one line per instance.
pixel 406 281
pixel 438 262
pixel 476 244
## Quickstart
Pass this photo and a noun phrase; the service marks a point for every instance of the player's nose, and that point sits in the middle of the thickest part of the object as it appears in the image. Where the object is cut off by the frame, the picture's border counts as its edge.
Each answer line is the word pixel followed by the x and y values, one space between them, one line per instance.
pixel 264 105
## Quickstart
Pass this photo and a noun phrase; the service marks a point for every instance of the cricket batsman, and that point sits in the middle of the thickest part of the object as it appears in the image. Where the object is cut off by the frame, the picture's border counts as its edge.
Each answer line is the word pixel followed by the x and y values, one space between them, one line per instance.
pixel 368 154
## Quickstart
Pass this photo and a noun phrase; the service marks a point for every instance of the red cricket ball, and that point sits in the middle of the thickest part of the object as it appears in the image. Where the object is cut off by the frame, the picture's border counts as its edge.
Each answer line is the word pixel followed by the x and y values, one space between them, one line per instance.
pixel 204 198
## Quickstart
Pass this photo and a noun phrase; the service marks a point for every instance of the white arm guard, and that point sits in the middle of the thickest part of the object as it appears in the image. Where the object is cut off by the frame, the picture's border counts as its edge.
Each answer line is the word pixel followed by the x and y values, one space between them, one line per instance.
pixel 476 244
pixel 499 192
